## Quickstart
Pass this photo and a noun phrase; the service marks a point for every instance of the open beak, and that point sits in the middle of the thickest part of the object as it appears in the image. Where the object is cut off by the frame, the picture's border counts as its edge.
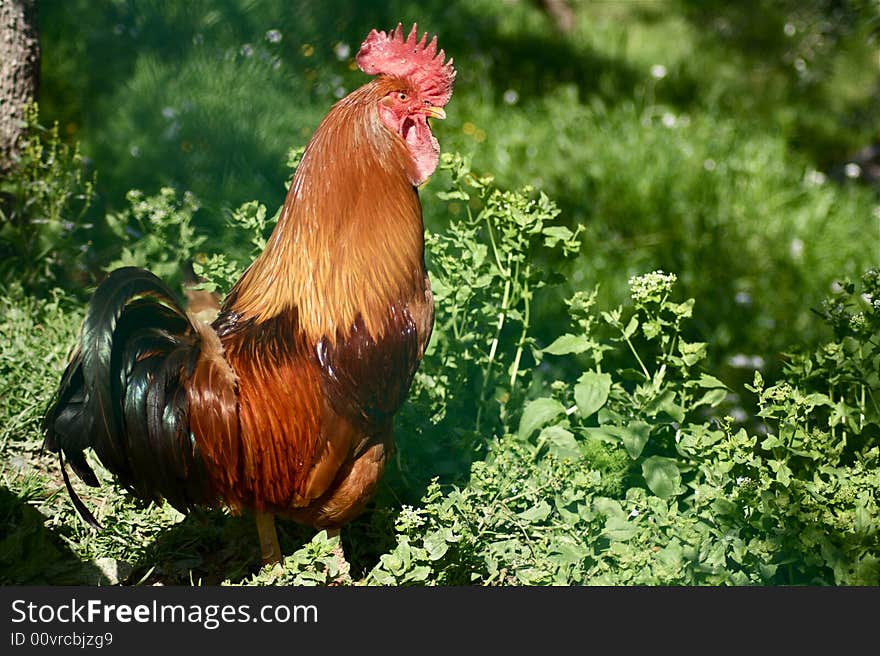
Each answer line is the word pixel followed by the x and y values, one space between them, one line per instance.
pixel 434 112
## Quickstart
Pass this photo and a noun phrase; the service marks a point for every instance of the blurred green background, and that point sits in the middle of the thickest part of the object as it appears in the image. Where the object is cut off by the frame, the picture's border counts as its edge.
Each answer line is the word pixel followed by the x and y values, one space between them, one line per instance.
pixel 701 137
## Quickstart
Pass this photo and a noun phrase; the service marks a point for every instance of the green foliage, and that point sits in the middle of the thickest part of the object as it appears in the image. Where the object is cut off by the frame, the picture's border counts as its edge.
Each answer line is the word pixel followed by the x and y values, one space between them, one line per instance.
pixel 157 232
pixel 221 271
pixel 836 387
pixel 620 478
pixel 44 237
pixel 483 280
pixel 315 563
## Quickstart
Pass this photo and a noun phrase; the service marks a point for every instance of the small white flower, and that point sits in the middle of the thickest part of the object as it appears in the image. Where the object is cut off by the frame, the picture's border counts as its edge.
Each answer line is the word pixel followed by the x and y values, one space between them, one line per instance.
pixel 756 362
pixel 789 29
pixel 738 414
pixel 743 298
pixel 800 65
pixel 796 248
pixel 511 97
pixel 135 151
pixel 342 51
pixel 273 36
pixel 852 170
pixel 668 119
pixel 247 50
pixel 739 361
pixel 709 164
pixel 658 71
pixel 168 112
pixel 633 513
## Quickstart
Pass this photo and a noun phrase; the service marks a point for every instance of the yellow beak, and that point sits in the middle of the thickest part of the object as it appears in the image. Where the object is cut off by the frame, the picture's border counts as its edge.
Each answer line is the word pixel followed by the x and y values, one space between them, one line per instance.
pixel 434 112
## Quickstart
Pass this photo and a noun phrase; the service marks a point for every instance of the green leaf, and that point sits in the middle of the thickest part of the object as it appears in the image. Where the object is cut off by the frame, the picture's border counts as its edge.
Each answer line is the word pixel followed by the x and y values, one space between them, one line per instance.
pixel 783 473
pixel 635 437
pixel 555 234
pixel 537 413
pixel 537 513
pixel 713 397
pixel 591 392
pixel 662 476
pixel 605 434
pixel 568 343
pixel 631 327
pixel 666 404
pixel 619 529
pixel 436 545
pixel 560 232
pixel 560 442
pixel 710 381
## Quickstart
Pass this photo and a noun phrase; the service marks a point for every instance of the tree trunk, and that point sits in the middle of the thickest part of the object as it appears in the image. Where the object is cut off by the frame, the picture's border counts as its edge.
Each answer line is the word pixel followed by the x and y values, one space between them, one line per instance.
pixel 19 71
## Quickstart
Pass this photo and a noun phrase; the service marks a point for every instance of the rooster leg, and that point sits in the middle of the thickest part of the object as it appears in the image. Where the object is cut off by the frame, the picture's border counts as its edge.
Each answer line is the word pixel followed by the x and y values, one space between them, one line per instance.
pixel 344 567
pixel 270 550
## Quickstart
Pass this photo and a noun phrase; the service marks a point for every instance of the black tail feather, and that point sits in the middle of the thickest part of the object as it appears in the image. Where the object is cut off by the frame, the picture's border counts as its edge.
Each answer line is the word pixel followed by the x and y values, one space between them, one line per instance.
pixel 81 508
pixel 123 394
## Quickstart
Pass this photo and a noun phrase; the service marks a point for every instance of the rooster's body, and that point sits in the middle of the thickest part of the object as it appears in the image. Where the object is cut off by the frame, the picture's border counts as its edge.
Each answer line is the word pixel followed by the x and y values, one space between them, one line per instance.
pixel 284 405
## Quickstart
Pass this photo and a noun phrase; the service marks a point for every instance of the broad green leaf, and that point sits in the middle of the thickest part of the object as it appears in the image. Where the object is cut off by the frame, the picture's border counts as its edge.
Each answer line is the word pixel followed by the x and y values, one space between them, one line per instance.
pixel 591 392
pixel 568 343
pixel 671 554
pixel 662 476
pixel 537 413
pixel 568 553
pixel 783 473
pixel 619 529
pixel 560 442
pixel 436 545
pixel 603 434
pixel 710 381
pixel 665 403
pixel 713 397
pixel 635 437
pixel 651 329
pixel 771 442
pixel 555 234
pixel 864 523
pixel 536 513
pixel 560 232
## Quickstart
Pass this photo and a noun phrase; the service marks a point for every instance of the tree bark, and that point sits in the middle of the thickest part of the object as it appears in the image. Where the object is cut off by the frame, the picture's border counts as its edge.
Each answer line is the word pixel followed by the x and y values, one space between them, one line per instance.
pixel 19 71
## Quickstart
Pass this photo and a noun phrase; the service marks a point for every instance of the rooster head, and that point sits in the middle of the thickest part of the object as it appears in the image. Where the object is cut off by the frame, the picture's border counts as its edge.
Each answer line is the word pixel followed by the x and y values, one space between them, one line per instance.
pixel 416 84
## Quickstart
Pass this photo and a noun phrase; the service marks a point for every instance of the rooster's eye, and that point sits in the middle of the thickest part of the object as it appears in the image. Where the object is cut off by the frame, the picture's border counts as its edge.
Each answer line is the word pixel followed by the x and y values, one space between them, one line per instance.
pixel 402 97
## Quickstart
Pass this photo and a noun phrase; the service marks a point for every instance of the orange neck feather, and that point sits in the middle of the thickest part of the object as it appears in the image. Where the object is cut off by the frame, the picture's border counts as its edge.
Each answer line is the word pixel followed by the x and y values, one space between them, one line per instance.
pixel 350 239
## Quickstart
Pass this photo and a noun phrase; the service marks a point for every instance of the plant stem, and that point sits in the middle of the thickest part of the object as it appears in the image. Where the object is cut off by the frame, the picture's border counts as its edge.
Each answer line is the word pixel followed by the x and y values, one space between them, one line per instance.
pixel 502 315
pixel 525 326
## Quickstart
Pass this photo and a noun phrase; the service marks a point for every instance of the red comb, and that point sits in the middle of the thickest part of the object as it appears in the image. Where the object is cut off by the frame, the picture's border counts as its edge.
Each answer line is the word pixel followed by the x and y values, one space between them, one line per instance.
pixel 391 54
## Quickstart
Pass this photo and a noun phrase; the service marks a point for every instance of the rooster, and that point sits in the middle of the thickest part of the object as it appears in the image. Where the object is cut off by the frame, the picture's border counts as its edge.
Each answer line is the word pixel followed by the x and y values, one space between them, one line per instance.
pixel 283 405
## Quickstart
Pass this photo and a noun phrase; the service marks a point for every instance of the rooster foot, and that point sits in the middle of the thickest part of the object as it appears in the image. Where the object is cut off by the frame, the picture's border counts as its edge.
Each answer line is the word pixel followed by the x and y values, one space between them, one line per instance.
pixel 270 550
